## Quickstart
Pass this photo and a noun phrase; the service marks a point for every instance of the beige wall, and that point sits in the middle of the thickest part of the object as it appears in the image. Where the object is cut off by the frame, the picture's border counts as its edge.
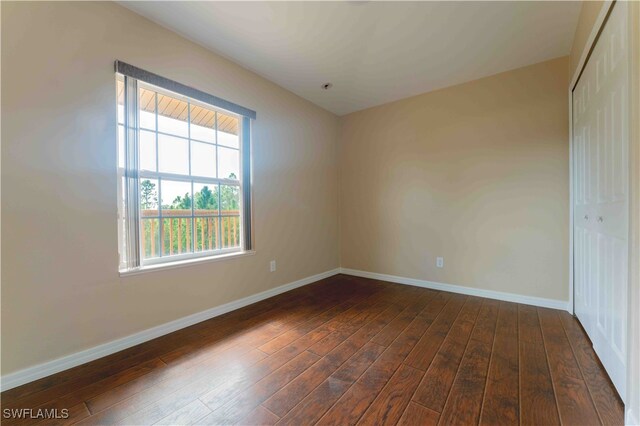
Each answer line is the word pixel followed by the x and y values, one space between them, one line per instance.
pixel 477 173
pixel 588 14
pixel 61 291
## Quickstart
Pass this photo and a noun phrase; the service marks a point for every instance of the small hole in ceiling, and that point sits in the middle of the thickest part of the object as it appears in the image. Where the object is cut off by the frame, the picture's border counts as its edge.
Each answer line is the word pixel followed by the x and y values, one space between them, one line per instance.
pixel 327 86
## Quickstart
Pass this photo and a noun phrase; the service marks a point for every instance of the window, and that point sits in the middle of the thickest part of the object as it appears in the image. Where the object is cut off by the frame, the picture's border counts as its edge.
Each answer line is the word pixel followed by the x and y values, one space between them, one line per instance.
pixel 183 166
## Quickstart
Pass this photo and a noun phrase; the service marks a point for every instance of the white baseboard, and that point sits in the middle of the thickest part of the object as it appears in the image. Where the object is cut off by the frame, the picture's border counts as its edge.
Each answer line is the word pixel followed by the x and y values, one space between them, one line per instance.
pixel 490 294
pixel 51 367
pixel 631 419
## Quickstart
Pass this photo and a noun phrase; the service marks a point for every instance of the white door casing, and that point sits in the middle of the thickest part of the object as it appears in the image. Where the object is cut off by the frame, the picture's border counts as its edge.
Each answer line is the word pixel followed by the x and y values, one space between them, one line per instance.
pixel 601 196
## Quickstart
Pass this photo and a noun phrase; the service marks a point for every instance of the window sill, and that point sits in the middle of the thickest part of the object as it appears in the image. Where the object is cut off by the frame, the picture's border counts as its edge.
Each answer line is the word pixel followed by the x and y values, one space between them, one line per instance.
pixel 186 262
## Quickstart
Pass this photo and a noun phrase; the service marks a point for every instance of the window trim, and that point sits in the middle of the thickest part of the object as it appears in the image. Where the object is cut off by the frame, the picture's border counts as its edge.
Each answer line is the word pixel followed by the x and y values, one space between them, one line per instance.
pixel 185 262
pixel 130 234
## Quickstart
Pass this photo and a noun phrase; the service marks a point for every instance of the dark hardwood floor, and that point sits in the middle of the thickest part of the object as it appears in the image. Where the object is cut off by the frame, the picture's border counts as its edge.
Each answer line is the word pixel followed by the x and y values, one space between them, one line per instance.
pixel 343 351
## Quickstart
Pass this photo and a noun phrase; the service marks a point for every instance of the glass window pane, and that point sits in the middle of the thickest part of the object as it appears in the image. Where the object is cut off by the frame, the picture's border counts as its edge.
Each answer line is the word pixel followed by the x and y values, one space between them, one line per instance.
pixel 206 199
pixel 206 233
pixel 147 105
pixel 176 235
pixel 173 155
pixel 230 231
pixel 150 238
pixel 203 159
pixel 196 142
pixel 176 198
pixel 120 114
pixel 228 163
pixel 120 103
pixel 172 116
pixel 228 132
pixel 229 200
pixel 120 146
pixel 147 150
pixel 202 124
pixel 148 198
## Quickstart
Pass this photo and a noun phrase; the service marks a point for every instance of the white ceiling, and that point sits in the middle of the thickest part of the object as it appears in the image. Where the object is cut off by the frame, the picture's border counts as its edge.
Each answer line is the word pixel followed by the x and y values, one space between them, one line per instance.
pixel 372 52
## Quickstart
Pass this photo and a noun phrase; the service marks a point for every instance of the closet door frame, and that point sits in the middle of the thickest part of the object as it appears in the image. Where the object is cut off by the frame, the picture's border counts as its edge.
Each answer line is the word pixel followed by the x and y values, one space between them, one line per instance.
pixel 597 27
pixel 632 408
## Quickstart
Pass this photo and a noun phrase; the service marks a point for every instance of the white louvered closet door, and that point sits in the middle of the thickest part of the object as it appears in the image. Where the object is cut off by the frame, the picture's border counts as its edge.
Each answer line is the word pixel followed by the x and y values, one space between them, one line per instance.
pixel 601 196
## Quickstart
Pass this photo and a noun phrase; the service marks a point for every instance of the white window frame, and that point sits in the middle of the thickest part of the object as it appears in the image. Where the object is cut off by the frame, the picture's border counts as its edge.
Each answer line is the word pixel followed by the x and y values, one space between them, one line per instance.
pixel 129 218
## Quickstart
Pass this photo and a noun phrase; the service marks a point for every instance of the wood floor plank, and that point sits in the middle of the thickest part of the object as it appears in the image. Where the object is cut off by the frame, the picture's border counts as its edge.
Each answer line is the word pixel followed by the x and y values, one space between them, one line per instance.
pixel 76 398
pixel 423 353
pixel 173 395
pixel 322 398
pixel 281 341
pixel 354 319
pixel 350 407
pixel 537 396
pixel 76 413
pixel 607 402
pixel 175 380
pixel 574 400
pixel 333 339
pixel 221 395
pixel 388 334
pixel 437 381
pixel 159 383
pixel 501 396
pixel 416 414
pixel 188 415
pixel 237 408
pixel 285 399
pixel 341 351
pixel 316 404
pixel 391 402
pixel 464 402
pixel 270 325
pixel 141 410
pixel 68 386
pixel 259 416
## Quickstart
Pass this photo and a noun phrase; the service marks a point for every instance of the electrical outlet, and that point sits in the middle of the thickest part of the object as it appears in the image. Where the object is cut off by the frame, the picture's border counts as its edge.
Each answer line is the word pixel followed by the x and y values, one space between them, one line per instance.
pixel 440 262
pixel 272 266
